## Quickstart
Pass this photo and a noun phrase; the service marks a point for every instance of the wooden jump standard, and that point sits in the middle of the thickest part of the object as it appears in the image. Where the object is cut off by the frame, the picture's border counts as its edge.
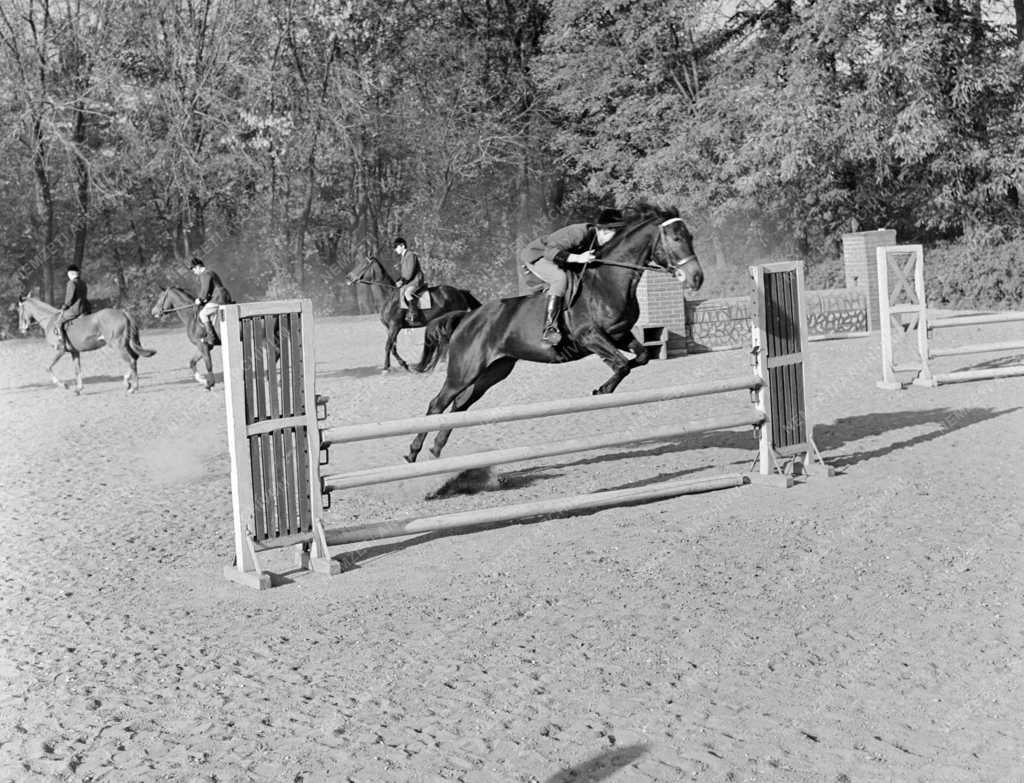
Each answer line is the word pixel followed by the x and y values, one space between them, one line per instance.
pixel 902 302
pixel 276 443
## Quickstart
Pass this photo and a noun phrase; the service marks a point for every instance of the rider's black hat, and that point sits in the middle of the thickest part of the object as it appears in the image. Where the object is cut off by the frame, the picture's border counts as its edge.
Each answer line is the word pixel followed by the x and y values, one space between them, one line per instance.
pixel 610 218
pixel 73 268
pixel 399 241
pixel 196 262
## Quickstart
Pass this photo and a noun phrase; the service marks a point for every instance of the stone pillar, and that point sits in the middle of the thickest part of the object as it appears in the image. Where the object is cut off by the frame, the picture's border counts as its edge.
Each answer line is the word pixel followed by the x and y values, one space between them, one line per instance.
pixel 859 258
pixel 663 303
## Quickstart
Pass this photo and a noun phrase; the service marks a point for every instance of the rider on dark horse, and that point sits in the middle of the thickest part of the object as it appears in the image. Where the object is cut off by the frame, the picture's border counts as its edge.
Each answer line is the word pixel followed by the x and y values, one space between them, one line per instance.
pixel 410 281
pixel 547 256
pixel 76 303
pixel 210 295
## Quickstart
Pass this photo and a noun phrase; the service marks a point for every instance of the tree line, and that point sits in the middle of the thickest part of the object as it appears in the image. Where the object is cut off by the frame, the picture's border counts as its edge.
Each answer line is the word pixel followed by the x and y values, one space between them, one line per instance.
pixel 283 140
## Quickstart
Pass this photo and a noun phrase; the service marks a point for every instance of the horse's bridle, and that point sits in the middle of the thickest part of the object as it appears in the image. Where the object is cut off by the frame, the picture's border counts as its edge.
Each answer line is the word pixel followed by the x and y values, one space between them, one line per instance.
pixel 369 262
pixel 654 267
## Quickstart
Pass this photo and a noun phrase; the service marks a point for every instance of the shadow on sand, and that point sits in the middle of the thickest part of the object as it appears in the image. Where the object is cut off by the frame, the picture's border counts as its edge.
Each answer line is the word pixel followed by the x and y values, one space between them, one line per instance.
pixel 601 767
pixel 840 434
pixel 844 432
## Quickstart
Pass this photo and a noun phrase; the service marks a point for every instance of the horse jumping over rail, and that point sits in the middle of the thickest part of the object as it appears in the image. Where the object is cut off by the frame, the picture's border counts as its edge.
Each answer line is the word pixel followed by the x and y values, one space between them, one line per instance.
pixel 111 327
pixel 444 299
pixel 182 303
pixel 485 344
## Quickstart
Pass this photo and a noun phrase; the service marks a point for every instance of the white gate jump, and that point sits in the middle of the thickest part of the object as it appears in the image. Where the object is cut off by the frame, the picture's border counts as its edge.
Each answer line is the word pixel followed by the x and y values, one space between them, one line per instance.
pixel 902 303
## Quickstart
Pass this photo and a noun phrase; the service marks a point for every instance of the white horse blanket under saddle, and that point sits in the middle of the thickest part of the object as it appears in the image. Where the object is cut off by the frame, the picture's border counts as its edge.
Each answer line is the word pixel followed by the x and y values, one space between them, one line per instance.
pixel 422 300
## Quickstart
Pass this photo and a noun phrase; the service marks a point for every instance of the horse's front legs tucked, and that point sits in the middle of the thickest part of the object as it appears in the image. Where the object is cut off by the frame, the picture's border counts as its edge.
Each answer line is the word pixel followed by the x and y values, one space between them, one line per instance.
pixel 602 346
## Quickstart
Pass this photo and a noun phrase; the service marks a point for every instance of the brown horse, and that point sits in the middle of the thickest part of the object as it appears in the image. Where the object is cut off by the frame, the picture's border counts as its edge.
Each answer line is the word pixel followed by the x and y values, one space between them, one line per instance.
pixel 114 328
pixel 179 301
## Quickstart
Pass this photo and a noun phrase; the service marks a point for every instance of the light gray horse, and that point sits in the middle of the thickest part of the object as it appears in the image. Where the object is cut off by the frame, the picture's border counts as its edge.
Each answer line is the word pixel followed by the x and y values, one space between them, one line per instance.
pixel 115 328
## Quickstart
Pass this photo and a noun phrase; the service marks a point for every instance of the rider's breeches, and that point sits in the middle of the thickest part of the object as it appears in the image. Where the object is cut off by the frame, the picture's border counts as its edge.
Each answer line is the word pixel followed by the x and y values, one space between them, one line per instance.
pixel 209 310
pixel 408 291
pixel 552 274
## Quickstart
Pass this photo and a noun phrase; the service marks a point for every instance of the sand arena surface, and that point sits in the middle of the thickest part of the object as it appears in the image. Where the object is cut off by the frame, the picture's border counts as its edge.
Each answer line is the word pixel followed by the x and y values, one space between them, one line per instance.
pixel 865 628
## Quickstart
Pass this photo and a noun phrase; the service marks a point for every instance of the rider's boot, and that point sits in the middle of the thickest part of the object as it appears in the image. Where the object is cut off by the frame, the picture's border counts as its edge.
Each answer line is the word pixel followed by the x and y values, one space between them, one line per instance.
pixel 552 334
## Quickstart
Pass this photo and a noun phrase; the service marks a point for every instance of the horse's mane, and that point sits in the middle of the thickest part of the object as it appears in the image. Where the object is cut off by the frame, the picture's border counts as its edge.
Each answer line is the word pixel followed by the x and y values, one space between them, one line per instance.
pixel 637 216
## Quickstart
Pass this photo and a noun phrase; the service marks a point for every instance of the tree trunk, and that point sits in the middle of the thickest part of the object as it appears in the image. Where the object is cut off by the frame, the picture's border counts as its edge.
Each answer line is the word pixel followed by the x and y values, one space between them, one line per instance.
pixel 82 172
pixel 1018 13
pixel 45 208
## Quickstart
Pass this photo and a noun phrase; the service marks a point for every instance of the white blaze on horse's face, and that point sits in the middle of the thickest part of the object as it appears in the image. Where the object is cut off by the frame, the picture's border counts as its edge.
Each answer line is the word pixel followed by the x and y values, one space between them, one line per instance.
pixel 24 322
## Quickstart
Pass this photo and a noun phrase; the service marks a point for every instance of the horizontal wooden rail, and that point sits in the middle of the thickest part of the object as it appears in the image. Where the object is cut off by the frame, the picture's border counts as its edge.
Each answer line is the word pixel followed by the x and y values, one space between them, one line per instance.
pixel 965 350
pixel 520 511
pixel 976 320
pixel 485 459
pixel 535 410
pixel 971 375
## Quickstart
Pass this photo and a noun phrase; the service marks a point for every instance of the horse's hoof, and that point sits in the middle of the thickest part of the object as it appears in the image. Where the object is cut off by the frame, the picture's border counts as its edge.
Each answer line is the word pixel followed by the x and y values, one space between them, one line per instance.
pixel 409 457
pixel 385 371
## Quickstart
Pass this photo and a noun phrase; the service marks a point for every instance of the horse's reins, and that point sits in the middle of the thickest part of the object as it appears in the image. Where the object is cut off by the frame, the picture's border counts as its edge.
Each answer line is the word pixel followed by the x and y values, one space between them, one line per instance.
pixel 371 282
pixel 649 267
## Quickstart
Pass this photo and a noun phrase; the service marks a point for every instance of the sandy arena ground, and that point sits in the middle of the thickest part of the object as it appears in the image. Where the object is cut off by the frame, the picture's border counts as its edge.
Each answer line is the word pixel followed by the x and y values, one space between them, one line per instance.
pixel 863 628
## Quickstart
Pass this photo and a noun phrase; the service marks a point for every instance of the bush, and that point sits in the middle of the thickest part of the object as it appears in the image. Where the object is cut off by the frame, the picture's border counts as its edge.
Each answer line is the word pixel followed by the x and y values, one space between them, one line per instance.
pixel 975 276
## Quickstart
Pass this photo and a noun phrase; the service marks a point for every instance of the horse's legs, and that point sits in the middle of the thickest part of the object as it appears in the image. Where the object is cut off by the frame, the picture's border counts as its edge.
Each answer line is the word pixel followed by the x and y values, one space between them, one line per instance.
pixel 437 405
pixel 601 346
pixel 79 385
pixel 495 373
pixel 207 352
pixel 60 352
pixel 394 327
pixel 204 354
pixel 131 378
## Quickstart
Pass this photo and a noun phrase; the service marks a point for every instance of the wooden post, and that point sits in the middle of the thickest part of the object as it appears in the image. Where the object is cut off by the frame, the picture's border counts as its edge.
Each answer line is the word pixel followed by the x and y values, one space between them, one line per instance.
pixel 779 338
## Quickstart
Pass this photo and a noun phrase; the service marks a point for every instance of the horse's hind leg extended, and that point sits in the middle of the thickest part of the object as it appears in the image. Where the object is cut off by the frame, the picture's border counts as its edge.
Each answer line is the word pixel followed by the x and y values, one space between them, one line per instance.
pixel 437 405
pixel 495 373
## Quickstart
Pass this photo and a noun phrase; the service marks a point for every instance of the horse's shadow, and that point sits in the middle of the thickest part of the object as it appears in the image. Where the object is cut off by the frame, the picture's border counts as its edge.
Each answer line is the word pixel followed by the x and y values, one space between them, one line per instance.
pixel 600 767
pixel 847 431
pixel 366 371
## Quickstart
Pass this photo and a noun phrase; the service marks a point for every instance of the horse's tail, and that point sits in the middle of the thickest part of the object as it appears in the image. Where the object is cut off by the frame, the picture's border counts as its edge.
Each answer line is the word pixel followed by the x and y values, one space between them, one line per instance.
pixel 134 344
pixel 436 338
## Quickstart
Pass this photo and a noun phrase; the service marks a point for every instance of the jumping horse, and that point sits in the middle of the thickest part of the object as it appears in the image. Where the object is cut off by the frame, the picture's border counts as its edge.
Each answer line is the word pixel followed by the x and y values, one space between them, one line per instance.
pixel 182 303
pixel 111 327
pixel 444 299
pixel 484 345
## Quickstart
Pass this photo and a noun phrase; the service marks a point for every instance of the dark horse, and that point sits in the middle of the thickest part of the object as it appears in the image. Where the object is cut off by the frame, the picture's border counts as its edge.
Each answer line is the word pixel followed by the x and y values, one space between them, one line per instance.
pixel 486 344
pixel 181 302
pixel 444 299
